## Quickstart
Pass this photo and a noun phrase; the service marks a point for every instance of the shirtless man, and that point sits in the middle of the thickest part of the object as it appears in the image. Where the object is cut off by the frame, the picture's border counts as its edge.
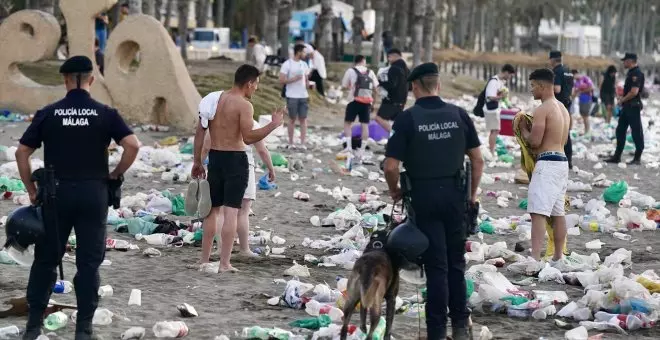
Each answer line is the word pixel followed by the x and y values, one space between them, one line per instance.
pixel 547 137
pixel 228 162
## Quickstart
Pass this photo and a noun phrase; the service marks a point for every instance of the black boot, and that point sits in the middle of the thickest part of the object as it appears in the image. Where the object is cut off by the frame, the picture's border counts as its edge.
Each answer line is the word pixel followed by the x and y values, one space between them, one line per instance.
pixel 635 161
pixel 460 334
pixel 33 327
pixel 85 332
pixel 613 159
pixel 32 333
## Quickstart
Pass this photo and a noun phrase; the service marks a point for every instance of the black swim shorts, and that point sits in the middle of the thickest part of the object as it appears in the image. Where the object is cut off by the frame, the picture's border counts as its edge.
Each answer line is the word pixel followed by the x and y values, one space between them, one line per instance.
pixel 228 177
pixel 389 111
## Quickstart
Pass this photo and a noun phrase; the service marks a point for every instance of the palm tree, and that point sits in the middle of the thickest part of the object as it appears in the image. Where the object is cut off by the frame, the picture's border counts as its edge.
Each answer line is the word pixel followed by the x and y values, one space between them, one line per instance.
pixel 134 6
pixel 218 13
pixel 378 6
pixel 429 29
pixel 201 13
pixel 150 8
pixel 403 9
pixel 158 6
pixel 272 11
pixel 357 25
pixel 168 14
pixel 325 24
pixel 419 9
pixel 283 18
pixel 183 7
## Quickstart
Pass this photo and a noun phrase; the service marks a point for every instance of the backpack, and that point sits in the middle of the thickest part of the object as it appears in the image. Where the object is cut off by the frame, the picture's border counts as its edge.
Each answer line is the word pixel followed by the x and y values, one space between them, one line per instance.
pixel 363 88
pixel 478 109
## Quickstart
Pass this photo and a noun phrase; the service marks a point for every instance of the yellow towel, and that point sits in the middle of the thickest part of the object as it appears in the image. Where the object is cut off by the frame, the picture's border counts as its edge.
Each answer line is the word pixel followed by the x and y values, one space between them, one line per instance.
pixel 527 162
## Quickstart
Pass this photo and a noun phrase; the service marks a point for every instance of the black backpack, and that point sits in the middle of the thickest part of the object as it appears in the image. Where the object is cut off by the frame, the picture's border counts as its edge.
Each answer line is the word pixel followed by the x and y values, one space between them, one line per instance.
pixel 363 88
pixel 481 100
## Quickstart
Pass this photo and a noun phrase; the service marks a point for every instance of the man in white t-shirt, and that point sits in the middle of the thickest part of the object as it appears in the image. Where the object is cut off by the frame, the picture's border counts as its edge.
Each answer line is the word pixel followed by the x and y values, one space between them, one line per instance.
pixel 293 75
pixel 319 73
pixel 494 93
pixel 361 83
pixel 209 104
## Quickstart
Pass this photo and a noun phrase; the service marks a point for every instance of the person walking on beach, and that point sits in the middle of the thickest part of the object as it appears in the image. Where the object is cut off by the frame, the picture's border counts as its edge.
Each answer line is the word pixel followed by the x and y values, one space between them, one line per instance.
pixel 631 112
pixel 494 93
pixel 563 89
pixel 208 105
pixel 547 136
pixel 228 173
pixel 396 84
pixel 583 89
pixel 608 91
pixel 293 75
pixel 361 83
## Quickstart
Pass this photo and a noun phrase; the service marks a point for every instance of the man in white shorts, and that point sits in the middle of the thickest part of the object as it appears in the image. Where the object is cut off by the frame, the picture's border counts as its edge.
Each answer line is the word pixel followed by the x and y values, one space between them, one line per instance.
pixel 495 93
pixel 547 187
pixel 210 103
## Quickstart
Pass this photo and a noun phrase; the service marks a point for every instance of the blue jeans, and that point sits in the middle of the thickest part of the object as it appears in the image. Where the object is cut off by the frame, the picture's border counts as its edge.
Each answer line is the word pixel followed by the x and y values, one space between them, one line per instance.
pixel 102 36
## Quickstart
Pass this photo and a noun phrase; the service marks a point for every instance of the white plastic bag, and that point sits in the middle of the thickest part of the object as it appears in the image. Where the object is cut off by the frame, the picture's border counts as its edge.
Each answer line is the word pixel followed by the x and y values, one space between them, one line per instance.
pixel 551 274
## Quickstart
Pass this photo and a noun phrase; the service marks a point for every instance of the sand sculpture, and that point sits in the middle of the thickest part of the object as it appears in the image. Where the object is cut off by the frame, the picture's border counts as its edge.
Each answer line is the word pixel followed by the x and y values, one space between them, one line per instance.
pixel 157 89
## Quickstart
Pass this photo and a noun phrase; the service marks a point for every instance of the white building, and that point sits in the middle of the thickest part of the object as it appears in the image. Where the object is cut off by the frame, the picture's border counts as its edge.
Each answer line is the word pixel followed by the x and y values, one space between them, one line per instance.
pixel 574 38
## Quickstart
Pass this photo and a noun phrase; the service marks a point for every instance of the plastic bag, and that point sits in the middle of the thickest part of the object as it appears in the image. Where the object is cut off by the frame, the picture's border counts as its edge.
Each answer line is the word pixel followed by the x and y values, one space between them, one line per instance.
pixel 312 323
pixel 551 274
pixel 178 205
pixel 523 204
pixel 10 184
pixel 615 192
pixel 279 160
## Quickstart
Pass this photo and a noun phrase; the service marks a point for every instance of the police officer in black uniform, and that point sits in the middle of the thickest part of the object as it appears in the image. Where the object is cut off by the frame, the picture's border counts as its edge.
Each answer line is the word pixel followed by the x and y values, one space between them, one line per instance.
pixel 631 111
pixel 431 139
pixel 563 91
pixel 75 133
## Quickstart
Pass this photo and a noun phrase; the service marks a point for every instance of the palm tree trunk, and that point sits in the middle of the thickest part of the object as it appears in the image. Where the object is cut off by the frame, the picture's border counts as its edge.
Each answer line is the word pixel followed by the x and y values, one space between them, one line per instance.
pixel 168 14
pixel 219 16
pixel 357 24
pixel 159 6
pixel 183 7
pixel 135 7
pixel 283 18
pixel 378 7
pixel 429 29
pixel 403 7
pixel 272 9
pixel 419 9
pixel 150 7
pixel 230 12
pixel 325 24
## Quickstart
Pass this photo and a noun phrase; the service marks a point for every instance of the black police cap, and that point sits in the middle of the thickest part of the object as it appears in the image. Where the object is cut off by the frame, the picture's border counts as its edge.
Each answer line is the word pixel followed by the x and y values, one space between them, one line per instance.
pixel 77 64
pixel 555 54
pixel 422 70
pixel 630 56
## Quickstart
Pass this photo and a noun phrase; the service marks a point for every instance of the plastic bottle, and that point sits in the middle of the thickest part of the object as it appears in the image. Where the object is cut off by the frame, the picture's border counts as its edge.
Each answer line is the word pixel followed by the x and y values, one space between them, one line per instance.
pixel 55 321
pixel 518 313
pixel 170 329
pixel 102 316
pixel 622 236
pixel 135 298
pixel 590 224
pixel 134 333
pixel 543 313
pixel 255 332
pixel 9 332
pixel 105 291
pixel 62 287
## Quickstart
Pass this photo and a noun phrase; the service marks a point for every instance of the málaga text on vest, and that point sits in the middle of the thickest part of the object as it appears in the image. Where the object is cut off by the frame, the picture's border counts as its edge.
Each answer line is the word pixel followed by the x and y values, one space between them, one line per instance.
pixel 438 130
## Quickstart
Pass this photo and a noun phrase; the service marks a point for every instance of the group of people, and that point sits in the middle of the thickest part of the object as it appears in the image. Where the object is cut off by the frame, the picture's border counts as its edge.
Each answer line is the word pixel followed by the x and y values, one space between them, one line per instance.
pixel 362 87
pixel 430 139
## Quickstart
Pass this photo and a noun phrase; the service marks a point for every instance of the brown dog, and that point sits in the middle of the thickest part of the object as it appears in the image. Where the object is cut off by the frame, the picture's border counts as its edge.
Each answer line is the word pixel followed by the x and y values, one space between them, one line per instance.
pixel 375 277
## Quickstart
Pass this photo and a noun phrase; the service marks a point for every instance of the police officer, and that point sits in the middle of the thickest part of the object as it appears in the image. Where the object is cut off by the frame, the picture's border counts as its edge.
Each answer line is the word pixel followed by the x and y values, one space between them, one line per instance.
pixel 631 110
pixel 431 139
pixel 563 91
pixel 75 133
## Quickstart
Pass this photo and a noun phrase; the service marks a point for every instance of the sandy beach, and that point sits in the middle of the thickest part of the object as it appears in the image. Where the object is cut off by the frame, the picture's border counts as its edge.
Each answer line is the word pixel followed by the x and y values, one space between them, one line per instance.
pixel 228 302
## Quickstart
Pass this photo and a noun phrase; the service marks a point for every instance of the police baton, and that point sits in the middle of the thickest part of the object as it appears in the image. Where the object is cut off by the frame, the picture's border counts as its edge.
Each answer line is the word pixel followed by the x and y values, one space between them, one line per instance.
pixel 47 198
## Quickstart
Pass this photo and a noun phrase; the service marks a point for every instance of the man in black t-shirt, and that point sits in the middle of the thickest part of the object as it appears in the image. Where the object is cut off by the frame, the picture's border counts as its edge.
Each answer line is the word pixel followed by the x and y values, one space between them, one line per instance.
pixel 431 139
pixel 75 132
pixel 631 111
pixel 563 91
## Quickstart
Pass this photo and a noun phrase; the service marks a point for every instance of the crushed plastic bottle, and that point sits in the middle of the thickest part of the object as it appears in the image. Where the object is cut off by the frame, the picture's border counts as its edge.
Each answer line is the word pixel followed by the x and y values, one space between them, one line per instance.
pixel 55 321
pixel 170 329
pixel 105 291
pixel 134 333
pixel 9 332
pixel 62 287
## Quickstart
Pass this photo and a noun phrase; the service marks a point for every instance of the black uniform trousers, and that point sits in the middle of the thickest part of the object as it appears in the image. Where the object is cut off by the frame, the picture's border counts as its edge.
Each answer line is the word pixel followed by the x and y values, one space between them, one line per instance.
pixel 568 147
pixel 439 207
pixel 318 81
pixel 630 116
pixel 82 205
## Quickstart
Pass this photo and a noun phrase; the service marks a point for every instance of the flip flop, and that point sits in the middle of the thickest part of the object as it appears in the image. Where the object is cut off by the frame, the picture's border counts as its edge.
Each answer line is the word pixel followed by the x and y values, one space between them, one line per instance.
pixel 204 206
pixel 192 198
